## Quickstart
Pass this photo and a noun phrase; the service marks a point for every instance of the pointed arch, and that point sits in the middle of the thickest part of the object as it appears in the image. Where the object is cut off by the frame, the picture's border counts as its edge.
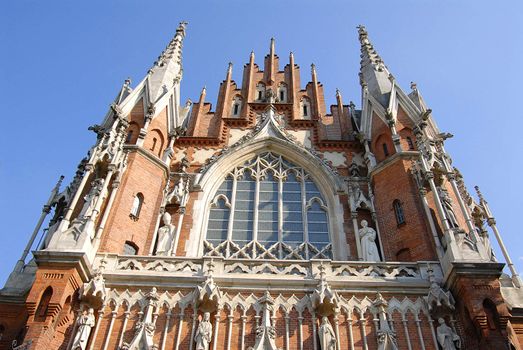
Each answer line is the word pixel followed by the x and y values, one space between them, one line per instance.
pixel 327 182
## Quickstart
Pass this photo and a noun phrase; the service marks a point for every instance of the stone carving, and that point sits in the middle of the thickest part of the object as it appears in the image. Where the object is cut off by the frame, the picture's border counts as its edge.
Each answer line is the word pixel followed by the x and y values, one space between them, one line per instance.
pixel 438 298
pixel 386 336
pixel 93 292
pixel 359 200
pixel 165 236
pixel 326 335
pixel 369 250
pixel 178 195
pixel 144 329
pixel 208 290
pixel 447 337
pixel 90 199
pixel 85 323
pixel 203 334
pixel 447 207
pixel 323 294
pixel 265 332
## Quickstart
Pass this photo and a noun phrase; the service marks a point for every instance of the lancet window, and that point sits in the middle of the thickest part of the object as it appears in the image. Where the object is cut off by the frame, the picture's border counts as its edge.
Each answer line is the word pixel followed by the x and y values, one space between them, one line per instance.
pixel 268 208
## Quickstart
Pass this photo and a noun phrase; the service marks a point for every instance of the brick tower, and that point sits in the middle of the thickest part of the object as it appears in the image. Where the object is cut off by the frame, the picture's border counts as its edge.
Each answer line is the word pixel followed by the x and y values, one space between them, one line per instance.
pixel 270 222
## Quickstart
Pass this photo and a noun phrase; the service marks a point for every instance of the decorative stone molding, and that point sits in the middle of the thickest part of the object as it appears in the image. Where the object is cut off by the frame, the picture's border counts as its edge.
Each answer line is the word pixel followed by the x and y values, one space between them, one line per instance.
pixel 439 301
pixel 144 329
pixel 266 332
pixel 386 336
pixel 323 297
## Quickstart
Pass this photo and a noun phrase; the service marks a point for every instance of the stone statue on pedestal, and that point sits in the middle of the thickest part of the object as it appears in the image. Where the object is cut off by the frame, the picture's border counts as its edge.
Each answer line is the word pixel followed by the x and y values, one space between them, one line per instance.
pixel 91 198
pixel 447 338
pixel 369 250
pixel 203 333
pixel 447 207
pixel 165 236
pixel 84 323
pixel 326 335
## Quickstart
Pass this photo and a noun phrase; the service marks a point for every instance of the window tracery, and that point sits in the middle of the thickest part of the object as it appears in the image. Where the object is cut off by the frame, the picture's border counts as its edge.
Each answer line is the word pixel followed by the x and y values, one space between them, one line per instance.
pixel 268 208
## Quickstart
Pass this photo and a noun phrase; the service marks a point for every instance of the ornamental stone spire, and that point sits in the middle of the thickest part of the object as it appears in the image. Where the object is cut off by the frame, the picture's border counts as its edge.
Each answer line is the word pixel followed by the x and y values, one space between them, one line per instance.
pixel 373 72
pixel 167 70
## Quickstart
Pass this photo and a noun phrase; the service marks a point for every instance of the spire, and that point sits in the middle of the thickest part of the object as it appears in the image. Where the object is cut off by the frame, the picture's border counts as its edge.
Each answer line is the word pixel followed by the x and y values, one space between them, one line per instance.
pixel 202 96
pixel 291 59
pixel 271 67
pixel 167 70
pixel 313 73
pixel 339 101
pixel 251 58
pixel 373 72
pixel 229 72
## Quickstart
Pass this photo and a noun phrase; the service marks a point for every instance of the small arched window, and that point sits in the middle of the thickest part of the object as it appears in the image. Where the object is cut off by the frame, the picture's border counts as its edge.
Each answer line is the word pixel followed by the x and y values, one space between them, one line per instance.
pixel 305 107
pixel 385 150
pixel 43 306
pixel 236 106
pixel 137 206
pixel 129 136
pixel 129 248
pixel 410 143
pixel 2 331
pixel 155 140
pixel 282 93
pixel 260 92
pixel 398 212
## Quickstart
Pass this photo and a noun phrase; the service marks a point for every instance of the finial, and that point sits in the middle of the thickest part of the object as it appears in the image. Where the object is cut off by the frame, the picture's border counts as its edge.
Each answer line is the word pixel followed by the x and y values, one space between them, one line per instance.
pixel 352 105
pixel 313 69
pixel 251 58
pixel 362 31
pixel 413 86
pixel 127 81
pixel 202 95
pixel 272 46
pixel 229 71
pixel 181 28
pixel 338 94
pixel 58 184
pixel 480 195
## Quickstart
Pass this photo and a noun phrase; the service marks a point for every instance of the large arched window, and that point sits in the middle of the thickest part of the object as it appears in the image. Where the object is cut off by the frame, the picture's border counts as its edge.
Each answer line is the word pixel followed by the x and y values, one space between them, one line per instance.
pixel 268 208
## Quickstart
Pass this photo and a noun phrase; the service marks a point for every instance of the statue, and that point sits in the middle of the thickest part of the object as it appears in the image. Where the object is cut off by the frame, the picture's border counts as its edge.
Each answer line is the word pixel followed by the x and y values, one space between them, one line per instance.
pixel 165 236
pixel 326 334
pixel 447 338
pixel 203 333
pixel 447 207
pixel 84 323
pixel 91 198
pixel 369 250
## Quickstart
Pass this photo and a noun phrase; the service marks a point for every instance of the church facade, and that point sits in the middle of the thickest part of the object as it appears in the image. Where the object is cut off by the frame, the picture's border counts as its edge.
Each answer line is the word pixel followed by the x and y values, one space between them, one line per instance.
pixel 271 222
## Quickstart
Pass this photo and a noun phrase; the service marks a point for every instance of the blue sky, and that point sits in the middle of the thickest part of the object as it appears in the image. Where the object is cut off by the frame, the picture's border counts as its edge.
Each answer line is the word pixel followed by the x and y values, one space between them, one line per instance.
pixel 62 63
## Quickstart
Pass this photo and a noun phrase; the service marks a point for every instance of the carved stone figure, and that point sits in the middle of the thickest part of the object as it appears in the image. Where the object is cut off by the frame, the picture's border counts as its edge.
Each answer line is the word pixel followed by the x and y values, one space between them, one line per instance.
pixel 369 250
pixel 447 207
pixel 447 338
pixel 165 236
pixel 91 198
pixel 84 323
pixel 203 333
pixel 326 335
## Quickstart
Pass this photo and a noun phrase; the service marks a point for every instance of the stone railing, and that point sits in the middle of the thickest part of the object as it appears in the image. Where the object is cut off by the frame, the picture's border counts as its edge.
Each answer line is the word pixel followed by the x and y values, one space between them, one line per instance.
pixel 292 272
